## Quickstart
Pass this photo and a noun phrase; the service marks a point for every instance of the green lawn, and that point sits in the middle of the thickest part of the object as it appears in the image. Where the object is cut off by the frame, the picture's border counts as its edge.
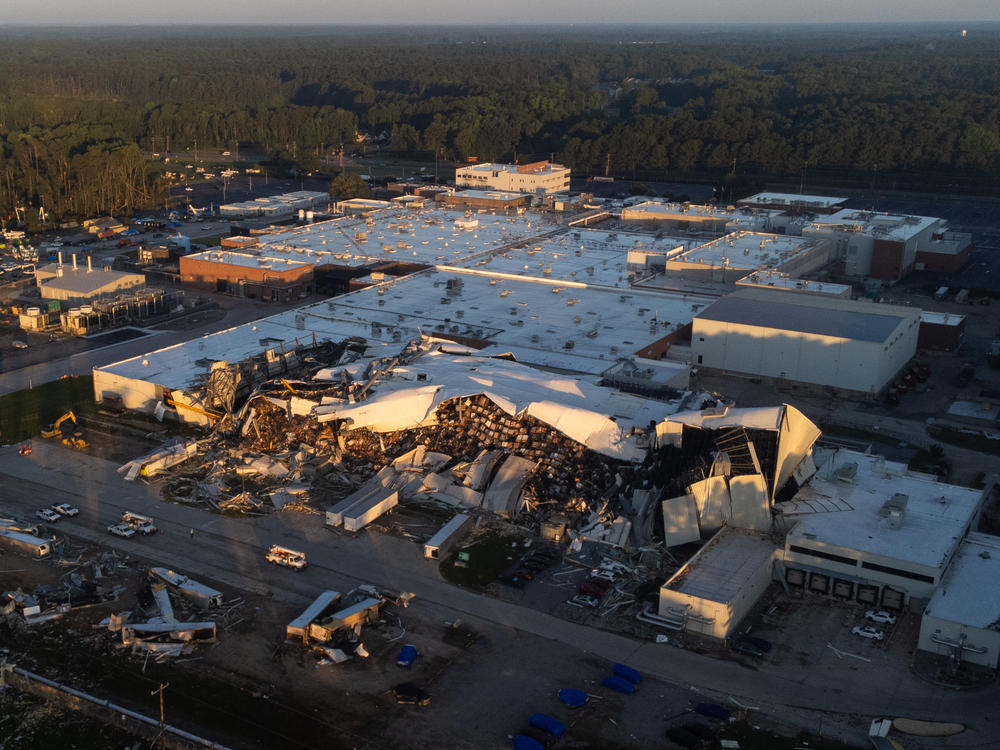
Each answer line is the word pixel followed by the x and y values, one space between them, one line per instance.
pixel 23 414
pixel 953 436
pixel 857 434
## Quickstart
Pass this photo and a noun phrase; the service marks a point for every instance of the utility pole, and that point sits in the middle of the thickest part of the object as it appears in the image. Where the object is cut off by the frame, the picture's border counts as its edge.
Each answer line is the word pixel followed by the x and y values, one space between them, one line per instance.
pixel 160 690
pixel 802 179
pixel 607 165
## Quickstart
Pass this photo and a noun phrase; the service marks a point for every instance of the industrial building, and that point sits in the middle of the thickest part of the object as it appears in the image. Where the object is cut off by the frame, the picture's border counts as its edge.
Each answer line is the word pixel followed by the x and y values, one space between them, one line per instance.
pixel 940 332
pixel 722 262
pixel 869 529
pixel 962 620
pixel 700 218
pixel 888 247
pixel 328 256
pixel 780 281
pixel 794 204
pixel 537 178
pixel 275 206
pixel 72 285
pixel 494 200
pixel 713 592
pixel 254 276
pixel 844 344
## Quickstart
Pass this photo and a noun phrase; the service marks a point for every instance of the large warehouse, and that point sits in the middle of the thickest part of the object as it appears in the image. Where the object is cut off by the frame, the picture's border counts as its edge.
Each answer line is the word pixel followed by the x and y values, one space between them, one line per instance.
pixel 845 344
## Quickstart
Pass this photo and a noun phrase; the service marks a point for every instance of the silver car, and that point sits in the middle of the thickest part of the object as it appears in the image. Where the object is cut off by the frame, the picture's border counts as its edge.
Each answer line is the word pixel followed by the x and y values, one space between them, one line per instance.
pixel 867 631
pixel 880 616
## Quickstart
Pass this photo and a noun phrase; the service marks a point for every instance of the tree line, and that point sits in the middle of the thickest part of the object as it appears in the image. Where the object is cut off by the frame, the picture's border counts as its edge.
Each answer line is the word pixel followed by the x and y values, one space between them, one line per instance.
pixel 79 108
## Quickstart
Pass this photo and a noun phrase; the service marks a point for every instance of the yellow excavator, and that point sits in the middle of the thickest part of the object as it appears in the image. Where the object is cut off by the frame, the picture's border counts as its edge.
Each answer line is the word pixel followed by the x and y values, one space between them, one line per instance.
pixel 72 439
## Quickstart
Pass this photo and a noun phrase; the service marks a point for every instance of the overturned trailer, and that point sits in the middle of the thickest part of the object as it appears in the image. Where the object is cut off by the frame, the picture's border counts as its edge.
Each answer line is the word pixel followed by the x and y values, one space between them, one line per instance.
pixel 204 596
pixel 361 613
pixel 322 606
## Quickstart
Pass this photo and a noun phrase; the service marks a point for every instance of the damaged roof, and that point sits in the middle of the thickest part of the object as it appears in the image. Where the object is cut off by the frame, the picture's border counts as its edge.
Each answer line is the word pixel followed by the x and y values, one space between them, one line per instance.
pixel 600 418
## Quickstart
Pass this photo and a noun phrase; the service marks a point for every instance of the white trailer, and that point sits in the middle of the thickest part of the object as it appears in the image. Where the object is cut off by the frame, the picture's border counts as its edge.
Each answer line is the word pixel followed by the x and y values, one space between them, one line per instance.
pixel 323 604
pixel 369 509
pixel 447 536
pixel 28 544
pixel 205 596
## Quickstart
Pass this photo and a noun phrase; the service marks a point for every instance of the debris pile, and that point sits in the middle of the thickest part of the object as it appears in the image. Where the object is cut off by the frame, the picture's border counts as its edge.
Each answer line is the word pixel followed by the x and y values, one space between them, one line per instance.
pixel 172 616
pixel 360 437
pixel 331 626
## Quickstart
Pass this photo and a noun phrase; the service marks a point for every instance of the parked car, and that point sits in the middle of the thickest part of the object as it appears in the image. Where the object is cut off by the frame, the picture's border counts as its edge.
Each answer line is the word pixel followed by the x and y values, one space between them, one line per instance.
pixel 867 631
pixel 407 693
pixel 745 647
pixel 123 530
pixel 47 514
pixel 880 616
pixel 761 643
pixel 65 509
pixel 584 600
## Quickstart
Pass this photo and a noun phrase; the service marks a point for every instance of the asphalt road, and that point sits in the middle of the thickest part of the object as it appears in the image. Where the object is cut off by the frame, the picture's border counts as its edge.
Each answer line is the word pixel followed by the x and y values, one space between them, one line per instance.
pixel 231 551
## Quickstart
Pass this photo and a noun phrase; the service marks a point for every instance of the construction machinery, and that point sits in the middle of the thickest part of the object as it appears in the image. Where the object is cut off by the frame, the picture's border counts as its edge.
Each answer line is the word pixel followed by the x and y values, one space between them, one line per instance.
pixel 55 429
pixel 71 438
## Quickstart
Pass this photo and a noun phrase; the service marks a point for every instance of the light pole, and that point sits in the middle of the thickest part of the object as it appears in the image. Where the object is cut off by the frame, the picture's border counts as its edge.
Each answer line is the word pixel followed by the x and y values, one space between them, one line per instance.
pixel 160 690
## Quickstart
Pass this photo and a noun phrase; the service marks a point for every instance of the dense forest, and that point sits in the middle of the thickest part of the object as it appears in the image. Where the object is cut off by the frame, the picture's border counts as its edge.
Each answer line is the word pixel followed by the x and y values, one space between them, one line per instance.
pixel 81 109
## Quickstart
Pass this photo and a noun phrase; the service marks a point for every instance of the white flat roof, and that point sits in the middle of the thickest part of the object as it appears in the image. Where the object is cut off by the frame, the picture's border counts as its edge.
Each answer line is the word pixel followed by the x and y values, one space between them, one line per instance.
pixel 935 518
pixel 941 319
pixel 794 199
pixel 968 593
pixel 549 168
pixel 878 225
pixel 749 250
pixel 682 211
pixel 496 195
pixel 532 320
pixel 86 282
pixel 593 257
pixel 263 259
pixel 426 237
pixel 775 280
pixel 724 566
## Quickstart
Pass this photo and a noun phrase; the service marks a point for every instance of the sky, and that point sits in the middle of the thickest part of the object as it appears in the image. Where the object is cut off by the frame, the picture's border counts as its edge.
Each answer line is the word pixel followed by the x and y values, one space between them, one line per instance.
pixel 507 12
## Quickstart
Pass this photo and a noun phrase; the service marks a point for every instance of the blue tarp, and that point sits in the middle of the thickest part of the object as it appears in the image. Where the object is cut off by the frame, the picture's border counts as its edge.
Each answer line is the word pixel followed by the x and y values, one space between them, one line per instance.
pixel 628 673
pixel 619 683
pixel 527 743
pixel 407 654
pixel 546 722
pixel 575 698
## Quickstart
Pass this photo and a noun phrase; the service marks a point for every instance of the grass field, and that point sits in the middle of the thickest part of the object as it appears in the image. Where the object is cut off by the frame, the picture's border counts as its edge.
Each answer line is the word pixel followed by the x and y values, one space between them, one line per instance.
pixel 23 414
